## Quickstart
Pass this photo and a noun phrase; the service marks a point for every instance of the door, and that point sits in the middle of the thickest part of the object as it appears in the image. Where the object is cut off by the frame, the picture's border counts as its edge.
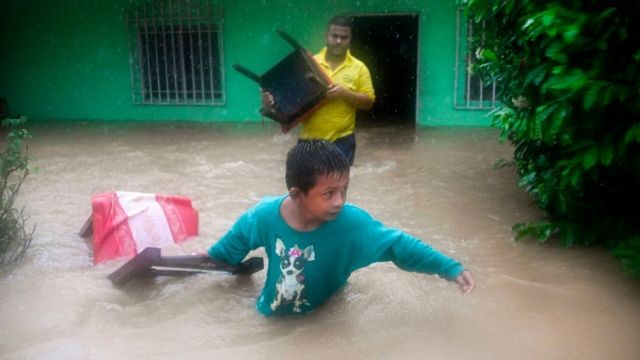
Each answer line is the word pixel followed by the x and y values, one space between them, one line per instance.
pixel 388 45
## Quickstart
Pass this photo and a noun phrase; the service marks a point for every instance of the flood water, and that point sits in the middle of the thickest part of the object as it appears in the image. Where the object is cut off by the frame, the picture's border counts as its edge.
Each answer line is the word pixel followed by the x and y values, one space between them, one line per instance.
pixel 531 301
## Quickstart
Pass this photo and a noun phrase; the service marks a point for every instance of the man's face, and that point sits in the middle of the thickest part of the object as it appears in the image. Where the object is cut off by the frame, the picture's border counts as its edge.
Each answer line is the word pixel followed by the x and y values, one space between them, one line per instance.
pixel 325 200
pixel 338 40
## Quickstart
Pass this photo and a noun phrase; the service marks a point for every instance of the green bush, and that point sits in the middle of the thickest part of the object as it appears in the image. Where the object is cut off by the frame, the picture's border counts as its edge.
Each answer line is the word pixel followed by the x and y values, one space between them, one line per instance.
pixel 570 78
pixel 14 168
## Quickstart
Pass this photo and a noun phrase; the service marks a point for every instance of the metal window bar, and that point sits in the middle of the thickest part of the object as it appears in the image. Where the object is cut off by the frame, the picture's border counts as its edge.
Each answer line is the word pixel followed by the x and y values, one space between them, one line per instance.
pixel 156 59
pixel 474 95
pixel 173 52
pixel 164 48
pixel 182 65
pixel 200 52
pixel 209 52
pixel 468 63
pixel 191 92
pixel 176 53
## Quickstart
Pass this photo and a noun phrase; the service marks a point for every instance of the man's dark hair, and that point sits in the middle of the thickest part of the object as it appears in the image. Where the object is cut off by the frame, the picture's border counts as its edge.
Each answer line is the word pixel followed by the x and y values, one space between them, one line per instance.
pixel 308 160
pixel 340 20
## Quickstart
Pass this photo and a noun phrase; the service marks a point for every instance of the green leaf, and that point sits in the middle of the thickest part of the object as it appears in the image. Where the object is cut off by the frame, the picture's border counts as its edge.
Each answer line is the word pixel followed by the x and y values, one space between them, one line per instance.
pixel 576 176
pixel 590 157
pixel 606 154
pixel 606 13
pixel 536 75
pixel 548 17
pixel 573 80
pixel 489 55
pixel 570 34
pixel 590 97
pixel 556 51
pixel 562 203
pixel 528 23
pixel 558 120
pixel 608 93
pixel 633 134
pixel 543 112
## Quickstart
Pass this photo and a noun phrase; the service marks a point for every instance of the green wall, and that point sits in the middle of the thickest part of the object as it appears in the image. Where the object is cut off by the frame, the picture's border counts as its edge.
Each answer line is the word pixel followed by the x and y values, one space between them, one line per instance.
pixel 68 59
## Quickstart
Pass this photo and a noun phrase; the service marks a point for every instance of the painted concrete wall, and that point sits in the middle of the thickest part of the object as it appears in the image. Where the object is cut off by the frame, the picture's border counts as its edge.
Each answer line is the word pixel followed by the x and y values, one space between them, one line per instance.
pixel 68 59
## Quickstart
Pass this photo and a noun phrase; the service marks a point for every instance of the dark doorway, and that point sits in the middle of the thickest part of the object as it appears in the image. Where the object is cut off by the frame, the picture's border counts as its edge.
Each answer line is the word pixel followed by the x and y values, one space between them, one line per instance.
pixel 388 44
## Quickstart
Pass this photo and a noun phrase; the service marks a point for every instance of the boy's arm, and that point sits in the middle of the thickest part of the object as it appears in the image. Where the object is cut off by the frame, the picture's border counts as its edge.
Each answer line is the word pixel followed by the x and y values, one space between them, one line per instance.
pixel 380 243
pixel 411 254
pixel 234 246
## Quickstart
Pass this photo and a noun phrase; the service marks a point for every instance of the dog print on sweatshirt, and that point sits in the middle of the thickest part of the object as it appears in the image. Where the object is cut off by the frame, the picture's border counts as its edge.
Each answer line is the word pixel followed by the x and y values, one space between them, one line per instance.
pixel 291 285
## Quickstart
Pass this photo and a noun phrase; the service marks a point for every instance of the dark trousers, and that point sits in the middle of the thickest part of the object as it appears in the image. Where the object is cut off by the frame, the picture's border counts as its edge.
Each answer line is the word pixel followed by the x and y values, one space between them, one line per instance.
pixel 347 144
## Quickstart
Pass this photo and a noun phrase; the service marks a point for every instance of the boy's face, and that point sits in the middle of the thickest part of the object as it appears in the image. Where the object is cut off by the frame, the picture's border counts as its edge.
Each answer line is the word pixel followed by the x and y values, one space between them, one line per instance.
pixel 324 201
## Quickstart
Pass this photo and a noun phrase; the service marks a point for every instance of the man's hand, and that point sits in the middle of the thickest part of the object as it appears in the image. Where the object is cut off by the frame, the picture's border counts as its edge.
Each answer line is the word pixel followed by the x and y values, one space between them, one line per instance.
pixel 359 101
pixel 337 91
pixel 268 101
pixel 465 282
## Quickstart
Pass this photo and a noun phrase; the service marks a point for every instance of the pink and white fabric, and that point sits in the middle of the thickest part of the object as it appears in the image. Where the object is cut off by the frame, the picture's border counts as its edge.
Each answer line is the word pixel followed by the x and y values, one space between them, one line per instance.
pixel 125 223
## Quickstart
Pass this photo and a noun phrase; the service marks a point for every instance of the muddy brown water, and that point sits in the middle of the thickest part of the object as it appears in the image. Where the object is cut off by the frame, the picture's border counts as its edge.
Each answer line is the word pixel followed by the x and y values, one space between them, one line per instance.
pixel 532 301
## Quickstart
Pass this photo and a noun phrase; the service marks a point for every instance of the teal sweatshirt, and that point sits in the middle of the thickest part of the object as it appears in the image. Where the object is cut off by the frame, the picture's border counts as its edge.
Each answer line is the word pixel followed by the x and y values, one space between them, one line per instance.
pixel 306 268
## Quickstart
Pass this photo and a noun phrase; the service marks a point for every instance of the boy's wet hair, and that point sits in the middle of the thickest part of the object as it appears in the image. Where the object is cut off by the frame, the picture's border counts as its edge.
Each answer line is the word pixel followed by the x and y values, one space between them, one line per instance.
pixel 308 160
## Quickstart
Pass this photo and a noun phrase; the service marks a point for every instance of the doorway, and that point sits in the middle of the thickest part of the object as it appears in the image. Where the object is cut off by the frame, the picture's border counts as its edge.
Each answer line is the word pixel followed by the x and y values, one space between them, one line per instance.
pixel 388 45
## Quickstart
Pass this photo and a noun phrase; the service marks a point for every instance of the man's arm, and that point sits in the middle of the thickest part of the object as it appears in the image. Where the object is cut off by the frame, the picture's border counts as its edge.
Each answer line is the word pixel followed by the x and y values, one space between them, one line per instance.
pixel 357 100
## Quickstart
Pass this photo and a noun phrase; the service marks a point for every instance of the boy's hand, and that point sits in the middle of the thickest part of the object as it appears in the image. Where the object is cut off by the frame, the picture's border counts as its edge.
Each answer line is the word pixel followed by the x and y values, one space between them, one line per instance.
pixel 465 282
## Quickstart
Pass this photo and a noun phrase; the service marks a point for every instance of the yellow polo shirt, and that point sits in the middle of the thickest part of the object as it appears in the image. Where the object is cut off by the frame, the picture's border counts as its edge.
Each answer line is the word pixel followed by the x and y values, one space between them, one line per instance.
pixel 337 118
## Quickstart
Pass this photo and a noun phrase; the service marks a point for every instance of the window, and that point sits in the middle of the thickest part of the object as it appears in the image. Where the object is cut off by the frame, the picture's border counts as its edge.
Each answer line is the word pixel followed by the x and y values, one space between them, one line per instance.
pixel 176 53
pixel 470 92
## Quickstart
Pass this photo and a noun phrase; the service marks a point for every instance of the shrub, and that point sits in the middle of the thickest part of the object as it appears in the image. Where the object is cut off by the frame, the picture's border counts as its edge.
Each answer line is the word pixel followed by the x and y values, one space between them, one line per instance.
pixel 14 168
pixel 570 79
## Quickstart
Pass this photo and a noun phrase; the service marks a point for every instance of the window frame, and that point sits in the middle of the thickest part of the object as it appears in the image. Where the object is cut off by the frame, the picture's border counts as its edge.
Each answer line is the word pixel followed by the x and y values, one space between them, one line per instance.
pixel 464 60
pixel 164 69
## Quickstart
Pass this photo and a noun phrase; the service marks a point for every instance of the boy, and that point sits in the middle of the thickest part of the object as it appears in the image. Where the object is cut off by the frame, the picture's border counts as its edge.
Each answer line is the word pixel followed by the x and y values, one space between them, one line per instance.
pixel 314 240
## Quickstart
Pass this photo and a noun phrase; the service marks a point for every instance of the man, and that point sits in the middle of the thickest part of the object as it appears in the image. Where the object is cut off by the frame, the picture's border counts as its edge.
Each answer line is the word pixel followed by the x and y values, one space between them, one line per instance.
pixel 351 90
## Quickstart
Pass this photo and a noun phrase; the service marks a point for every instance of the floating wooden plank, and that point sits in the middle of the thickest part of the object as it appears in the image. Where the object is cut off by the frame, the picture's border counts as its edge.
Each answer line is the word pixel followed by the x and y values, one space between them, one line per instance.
pixel 87 228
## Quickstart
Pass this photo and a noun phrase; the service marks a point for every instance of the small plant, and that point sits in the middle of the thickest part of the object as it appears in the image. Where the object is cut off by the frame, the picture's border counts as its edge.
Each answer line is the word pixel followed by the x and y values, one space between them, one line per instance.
pixel 14 168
